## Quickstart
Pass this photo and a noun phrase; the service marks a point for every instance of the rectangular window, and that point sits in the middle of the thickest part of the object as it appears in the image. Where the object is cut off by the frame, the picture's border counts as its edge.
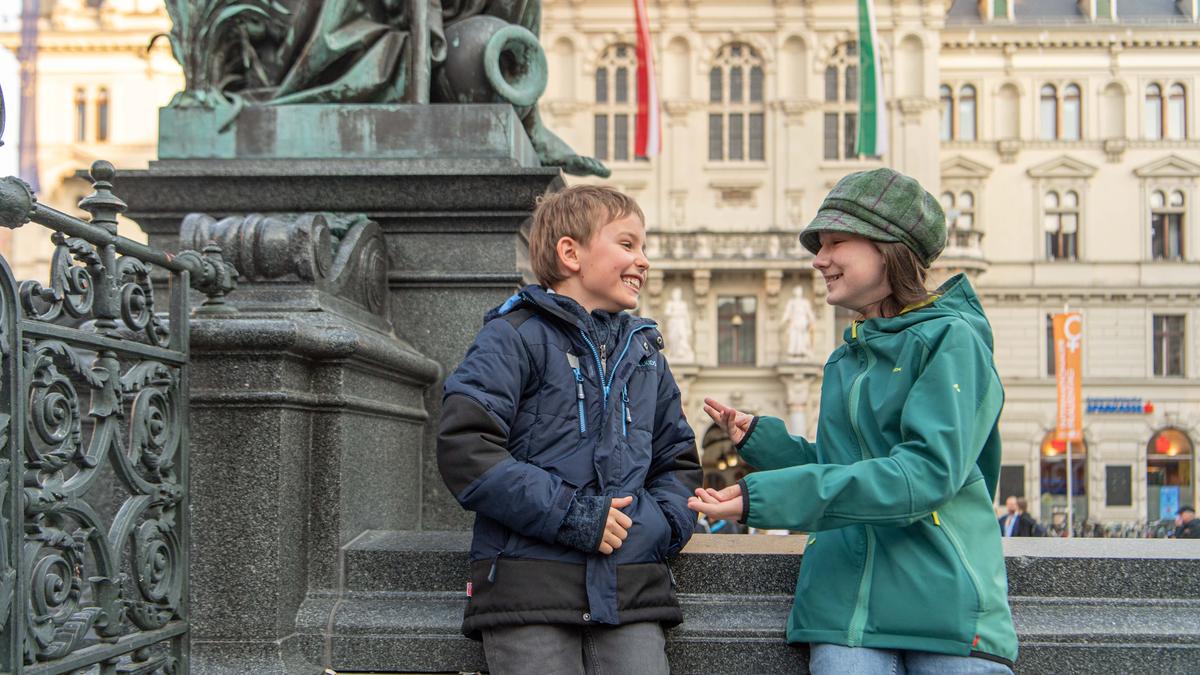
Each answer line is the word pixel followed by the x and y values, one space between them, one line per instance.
pixel 1012 482
pixel 1118 485
pixel 621 137
pixel 736 141
pixel 601 137
pixel 602 85
pixel 736 330
pixel 831 135
pixel 1166 236
pixel 851 138
pixel 757 143
pixel 622 93
pixel 716 134
pixel 1000 9
pixel 1168 345
pixel 1104 9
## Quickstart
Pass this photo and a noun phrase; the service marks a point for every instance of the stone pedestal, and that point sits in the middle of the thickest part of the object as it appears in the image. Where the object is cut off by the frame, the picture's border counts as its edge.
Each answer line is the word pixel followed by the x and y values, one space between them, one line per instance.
pixel 364 280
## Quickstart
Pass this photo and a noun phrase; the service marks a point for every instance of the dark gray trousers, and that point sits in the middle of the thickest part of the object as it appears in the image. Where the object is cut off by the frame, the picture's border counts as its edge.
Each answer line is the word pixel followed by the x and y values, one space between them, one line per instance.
pixel 637 648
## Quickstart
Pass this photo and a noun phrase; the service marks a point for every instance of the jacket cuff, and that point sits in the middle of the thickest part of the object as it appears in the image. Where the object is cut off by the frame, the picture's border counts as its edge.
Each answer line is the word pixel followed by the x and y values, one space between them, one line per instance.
pixel 583 528
pixel 745 498
pixel 749 430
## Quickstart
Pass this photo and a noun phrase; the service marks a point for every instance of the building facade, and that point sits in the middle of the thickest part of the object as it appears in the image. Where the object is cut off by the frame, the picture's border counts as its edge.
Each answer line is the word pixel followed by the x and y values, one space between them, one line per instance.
pixel 99 85
pixel 1060 136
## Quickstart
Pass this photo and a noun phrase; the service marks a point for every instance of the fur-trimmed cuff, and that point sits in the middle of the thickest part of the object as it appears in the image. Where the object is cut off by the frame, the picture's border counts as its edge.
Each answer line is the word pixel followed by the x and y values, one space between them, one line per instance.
pixel 583 528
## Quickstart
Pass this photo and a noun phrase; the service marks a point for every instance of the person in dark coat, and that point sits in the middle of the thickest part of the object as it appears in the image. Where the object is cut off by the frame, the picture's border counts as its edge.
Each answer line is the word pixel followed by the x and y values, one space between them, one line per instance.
pixel 1186 525
pixel 1018 523
pixel 562 430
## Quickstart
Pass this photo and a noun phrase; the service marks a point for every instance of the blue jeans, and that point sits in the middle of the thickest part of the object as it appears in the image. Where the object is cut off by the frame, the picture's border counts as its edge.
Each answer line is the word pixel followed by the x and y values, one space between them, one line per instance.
pixel 636 648
pixel 838 660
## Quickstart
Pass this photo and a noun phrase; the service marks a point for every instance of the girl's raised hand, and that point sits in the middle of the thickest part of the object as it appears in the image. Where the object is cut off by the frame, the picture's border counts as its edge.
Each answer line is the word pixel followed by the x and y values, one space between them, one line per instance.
pixel 732 422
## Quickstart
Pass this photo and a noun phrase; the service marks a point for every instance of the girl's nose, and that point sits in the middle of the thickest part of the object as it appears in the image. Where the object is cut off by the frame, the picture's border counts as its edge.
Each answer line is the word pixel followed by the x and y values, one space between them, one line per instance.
pixel 821 260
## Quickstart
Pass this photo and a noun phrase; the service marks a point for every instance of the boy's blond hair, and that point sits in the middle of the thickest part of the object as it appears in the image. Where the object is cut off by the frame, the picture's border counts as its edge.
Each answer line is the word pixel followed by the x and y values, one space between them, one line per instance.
pixel 577 212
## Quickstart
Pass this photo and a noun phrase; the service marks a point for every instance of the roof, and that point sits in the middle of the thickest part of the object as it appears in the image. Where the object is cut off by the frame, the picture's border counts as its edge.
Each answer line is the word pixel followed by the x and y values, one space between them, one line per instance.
pixel 1068 11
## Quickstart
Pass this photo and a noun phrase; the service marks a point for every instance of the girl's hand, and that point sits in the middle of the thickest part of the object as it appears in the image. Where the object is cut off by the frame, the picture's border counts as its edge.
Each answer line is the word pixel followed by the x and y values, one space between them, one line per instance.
pixel 735 424
pixel 718 504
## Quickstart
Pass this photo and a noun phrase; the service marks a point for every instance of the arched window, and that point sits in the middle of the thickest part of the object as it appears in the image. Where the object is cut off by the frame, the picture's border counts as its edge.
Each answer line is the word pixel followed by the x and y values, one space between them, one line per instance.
pixel 1048 113
pixel 616 104
pixel 1054 481
pixel 102 115
pixel 946 95
pixel 80 114
pixel 1072 122
pixel 1169 474
pixel 737 111
pixel 1177 112
pixel 1154 112
pixel 841 102
pixel 1166 224
pixel 1060 217
pixel 960 216
pixel 966 113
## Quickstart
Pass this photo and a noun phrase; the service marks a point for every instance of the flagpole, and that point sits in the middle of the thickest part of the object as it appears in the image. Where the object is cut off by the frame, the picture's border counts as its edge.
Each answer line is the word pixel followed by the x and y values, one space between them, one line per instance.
pixel 1070 493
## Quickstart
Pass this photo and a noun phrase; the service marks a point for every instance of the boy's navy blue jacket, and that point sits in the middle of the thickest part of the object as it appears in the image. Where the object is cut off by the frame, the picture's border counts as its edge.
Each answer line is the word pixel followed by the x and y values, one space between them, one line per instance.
pixel 540 430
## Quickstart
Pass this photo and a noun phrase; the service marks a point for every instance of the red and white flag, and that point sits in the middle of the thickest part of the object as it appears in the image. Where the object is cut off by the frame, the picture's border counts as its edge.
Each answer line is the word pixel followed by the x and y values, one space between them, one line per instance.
pixel 648 132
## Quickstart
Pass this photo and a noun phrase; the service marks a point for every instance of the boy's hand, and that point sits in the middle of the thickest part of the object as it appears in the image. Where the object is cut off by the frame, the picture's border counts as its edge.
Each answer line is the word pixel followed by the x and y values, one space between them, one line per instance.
pixel 616 528
pixel 719 504
pixel 735 424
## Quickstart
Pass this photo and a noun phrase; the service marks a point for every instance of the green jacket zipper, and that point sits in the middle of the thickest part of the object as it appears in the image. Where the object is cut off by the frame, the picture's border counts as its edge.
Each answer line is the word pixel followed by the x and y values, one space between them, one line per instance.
pixel 942 525
pixel 858 619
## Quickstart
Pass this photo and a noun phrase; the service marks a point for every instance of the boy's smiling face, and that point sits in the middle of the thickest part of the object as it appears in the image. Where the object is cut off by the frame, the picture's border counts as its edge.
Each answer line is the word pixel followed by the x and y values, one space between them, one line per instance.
pixel 610 270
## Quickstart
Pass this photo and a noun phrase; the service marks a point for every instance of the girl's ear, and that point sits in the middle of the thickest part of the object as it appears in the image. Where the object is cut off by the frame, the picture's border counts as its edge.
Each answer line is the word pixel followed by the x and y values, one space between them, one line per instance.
pixel 568 254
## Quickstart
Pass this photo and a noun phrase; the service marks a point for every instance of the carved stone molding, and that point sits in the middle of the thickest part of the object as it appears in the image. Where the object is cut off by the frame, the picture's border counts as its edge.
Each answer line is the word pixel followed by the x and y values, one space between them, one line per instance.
pixel 343 255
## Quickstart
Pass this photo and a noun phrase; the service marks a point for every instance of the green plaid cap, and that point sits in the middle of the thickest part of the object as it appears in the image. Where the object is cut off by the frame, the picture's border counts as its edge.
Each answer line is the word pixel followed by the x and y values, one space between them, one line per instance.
pixel 881 205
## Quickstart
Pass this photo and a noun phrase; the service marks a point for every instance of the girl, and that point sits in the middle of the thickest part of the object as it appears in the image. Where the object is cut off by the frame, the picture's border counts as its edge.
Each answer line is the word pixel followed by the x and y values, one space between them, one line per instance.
pixel 905 572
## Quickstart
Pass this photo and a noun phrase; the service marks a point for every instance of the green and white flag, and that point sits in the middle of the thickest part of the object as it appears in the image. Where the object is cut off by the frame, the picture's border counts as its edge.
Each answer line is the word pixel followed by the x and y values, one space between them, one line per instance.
pixel 872 112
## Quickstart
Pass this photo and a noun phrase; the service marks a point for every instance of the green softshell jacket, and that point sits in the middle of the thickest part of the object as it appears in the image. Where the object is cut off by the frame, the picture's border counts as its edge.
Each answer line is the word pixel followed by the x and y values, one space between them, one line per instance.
pixel 897 489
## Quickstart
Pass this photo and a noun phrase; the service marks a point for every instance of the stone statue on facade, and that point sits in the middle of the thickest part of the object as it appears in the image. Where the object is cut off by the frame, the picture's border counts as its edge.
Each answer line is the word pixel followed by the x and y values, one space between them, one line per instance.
pixel 279 52
pixel 798 318
pixel 679 329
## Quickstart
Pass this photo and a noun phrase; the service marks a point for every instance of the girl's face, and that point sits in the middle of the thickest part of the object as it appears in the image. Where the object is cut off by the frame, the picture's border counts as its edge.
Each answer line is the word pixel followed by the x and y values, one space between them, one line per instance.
pixel 854 273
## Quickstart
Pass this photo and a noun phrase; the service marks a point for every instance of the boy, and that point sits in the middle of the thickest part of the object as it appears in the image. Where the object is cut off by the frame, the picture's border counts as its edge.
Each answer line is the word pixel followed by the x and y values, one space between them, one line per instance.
pixel 562 430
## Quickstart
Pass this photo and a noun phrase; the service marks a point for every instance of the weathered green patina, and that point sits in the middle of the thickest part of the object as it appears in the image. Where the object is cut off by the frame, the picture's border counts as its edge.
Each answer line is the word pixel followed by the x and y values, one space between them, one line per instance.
pixel 237 53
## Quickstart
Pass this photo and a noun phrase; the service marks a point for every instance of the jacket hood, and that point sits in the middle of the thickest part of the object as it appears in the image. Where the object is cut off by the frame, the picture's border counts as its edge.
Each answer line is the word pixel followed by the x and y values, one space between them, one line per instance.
pixel 954 298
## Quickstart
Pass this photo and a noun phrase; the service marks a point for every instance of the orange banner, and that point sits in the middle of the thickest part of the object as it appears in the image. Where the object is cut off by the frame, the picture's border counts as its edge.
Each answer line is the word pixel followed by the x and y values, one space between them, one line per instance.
pixel 1068 370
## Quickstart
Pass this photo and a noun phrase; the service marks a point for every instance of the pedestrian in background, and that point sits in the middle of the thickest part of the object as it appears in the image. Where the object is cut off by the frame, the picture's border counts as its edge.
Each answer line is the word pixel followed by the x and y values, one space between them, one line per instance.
pixel 905 571
pixel 1017 522
pixel 1186 525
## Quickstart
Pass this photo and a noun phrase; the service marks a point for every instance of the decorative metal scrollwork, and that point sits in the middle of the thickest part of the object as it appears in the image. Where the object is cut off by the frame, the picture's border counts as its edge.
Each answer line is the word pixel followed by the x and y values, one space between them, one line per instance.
pixel 92 434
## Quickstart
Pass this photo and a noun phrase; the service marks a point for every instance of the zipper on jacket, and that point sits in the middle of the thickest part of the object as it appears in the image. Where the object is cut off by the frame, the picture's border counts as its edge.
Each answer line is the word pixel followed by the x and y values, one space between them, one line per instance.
pixel 606 377
pixel 573 361
pixel 626 417
pixel 962 557
pixel 858 619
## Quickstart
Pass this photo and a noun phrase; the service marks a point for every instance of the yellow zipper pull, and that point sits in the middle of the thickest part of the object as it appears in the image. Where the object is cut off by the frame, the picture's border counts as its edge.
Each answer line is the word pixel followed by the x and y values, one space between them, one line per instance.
pixel 854 330
pixel 935 519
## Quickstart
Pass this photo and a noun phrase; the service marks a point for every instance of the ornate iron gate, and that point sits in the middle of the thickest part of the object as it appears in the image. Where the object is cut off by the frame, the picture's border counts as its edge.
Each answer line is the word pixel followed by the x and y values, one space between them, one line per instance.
pixel 94 432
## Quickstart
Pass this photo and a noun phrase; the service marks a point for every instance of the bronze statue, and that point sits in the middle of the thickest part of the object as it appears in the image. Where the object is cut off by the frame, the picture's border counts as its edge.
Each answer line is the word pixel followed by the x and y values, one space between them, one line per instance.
pixel 276 52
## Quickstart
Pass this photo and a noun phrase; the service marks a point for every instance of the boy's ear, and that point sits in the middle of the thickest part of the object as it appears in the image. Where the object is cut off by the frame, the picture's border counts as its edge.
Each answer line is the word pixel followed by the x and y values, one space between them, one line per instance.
pixel 568 254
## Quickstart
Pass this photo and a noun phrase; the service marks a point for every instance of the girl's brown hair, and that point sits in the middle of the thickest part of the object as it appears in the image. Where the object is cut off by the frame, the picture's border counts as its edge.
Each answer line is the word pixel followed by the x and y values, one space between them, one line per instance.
pixel 906 276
